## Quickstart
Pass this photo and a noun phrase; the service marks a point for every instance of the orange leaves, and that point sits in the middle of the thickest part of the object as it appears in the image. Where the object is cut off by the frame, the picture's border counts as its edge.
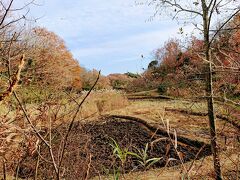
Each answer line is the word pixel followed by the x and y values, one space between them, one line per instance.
pixel 54 64
pixel 168 54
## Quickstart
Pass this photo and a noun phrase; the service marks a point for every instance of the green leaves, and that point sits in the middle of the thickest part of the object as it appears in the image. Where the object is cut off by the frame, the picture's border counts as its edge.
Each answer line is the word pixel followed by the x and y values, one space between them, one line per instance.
pixel 141 156
pixel 118 152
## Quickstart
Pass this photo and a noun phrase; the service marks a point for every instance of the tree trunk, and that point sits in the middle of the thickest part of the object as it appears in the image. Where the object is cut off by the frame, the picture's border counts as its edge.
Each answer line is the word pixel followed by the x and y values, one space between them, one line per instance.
pixel 209 93
pixel 211 117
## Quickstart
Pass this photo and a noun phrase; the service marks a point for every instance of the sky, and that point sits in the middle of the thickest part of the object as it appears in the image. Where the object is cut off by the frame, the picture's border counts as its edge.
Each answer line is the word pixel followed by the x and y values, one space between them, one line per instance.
pixel 107 35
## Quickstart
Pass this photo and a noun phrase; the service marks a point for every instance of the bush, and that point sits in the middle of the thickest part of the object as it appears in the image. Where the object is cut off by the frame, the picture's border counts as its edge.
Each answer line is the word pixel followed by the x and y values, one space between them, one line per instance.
pixel 132 75
pixel 102 101
pixel 163 87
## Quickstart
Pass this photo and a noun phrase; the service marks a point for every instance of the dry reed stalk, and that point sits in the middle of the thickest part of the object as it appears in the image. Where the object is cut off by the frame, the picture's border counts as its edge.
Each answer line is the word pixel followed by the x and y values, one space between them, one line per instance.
pixel 89 166
pixel 37 163
pixel 4 169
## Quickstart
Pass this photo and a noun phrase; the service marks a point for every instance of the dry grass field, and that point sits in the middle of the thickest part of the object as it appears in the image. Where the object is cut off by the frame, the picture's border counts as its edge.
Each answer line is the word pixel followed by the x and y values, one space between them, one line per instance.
pixel 94 114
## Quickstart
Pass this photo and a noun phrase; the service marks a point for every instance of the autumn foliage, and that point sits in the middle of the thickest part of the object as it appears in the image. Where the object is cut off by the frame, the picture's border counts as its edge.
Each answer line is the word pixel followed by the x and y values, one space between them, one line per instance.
pixel 50 62
pixel 180 70
pixel 51 65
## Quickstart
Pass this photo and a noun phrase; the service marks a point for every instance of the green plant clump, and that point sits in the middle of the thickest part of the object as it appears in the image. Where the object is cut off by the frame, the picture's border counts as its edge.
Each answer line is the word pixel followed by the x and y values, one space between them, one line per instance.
pixel 163 87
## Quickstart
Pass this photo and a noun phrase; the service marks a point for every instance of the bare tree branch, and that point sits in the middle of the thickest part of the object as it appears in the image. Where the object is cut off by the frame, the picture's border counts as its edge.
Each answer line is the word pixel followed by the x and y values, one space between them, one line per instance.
pixel 6 12
pixel 71 125
pixel 221 27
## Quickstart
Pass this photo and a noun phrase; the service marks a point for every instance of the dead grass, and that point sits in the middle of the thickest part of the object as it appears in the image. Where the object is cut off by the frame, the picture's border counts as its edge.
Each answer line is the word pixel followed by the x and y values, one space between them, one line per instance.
pixel 153 110
pixel 153 92
pixel 16 137
pixel 202 169
pixel 98 103
pixel 112 102
pixel 103 102
pixel 193 127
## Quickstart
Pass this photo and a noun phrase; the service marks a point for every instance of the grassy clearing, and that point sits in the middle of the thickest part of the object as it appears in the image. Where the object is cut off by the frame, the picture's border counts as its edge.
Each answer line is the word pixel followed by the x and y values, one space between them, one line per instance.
pixel 154 110
pixel 194 127
pixel 153 92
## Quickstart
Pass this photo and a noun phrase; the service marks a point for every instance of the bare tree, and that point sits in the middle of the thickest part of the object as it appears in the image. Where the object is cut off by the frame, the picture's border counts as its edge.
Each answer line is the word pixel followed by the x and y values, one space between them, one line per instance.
pixel 207 11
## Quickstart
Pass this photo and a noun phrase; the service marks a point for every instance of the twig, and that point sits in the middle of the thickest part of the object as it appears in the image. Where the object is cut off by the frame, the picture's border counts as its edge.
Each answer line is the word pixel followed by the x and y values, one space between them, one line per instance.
pixel 37 133
pixel 191 166
pixel 6 12
pixel 37 163
pixel 89 165
pixel 71 125
pixel 17 170
pixel 4 168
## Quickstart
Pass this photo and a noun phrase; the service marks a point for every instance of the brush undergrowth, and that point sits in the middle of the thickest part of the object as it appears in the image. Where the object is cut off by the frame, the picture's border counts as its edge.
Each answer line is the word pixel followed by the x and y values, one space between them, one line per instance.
pixel 46 109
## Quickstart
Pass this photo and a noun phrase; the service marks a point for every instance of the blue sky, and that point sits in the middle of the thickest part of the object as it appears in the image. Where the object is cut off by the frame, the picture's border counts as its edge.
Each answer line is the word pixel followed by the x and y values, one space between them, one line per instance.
pixel 108 35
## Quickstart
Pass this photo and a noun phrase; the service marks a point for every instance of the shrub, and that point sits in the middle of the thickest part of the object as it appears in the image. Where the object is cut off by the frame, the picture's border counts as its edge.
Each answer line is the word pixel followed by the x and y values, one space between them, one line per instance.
pixel 132 75
pixel 163 87
pixel 103 101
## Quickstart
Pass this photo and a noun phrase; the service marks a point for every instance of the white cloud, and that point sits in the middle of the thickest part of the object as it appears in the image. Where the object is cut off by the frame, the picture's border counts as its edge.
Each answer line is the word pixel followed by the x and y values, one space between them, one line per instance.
pixel 97 31
pixel 73 18
pixel 141 42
